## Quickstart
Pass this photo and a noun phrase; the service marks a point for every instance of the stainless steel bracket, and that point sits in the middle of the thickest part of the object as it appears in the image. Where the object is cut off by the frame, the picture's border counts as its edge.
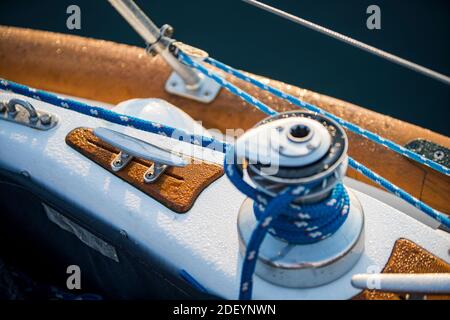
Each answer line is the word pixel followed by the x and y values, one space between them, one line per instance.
pixel 184 81
pixel 132 147
pixel 205 90
pixel 153 173
pixel 120 161
pixel 22 112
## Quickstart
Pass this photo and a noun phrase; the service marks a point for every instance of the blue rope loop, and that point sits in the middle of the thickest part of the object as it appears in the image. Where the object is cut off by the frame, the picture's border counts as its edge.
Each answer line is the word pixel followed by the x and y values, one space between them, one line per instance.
pixel 346 124
pixel 276 206
pixel 440 217
pixel 294 100
pixel 309 223
pixel 281 217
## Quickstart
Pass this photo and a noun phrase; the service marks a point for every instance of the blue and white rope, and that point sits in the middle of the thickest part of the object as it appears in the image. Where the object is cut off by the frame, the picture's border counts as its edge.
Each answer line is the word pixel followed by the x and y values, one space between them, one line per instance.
pixel 114 117
pixel 266 214
pixel 442 218
pixel 386 184
pixel 279 216
pixel 346 124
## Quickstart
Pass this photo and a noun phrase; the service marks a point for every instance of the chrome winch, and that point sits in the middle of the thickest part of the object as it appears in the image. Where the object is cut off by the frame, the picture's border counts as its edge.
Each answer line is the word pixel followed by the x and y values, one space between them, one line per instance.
pixel 299 148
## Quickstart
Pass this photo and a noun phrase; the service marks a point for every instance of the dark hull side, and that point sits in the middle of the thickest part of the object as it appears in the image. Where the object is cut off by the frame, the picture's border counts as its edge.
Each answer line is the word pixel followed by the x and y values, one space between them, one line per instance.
pixel 33 244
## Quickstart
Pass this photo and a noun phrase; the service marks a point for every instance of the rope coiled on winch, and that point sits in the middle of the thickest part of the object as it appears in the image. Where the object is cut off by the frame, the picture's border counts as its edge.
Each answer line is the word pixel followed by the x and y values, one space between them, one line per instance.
pixel 294 100
pixel 281 217
pixel 309 223
pixel 440 217
pixel 275 206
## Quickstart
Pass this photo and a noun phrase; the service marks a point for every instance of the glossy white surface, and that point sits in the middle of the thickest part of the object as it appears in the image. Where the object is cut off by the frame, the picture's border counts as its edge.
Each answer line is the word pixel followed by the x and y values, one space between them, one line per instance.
pixel 161 111
pixel 203 241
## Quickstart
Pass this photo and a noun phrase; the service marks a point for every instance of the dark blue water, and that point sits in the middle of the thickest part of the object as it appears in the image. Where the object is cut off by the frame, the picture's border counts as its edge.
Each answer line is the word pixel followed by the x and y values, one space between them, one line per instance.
pixel 250 39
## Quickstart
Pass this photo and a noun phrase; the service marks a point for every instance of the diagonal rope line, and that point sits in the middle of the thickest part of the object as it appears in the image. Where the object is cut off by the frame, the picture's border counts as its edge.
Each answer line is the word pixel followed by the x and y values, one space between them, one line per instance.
pixel 386 184
pixel 274 208
pixel 206 142
pixel 346 124
pixel 114 117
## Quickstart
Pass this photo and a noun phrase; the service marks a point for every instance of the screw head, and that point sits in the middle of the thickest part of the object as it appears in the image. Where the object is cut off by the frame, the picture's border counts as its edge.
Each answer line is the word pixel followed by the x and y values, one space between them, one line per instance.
pixel 25 173
pixel 439 155
pixel 167 31
pixel 46 119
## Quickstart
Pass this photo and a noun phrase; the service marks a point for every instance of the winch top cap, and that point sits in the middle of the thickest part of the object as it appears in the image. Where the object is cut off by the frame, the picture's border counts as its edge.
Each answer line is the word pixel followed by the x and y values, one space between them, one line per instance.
pixel 287 142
